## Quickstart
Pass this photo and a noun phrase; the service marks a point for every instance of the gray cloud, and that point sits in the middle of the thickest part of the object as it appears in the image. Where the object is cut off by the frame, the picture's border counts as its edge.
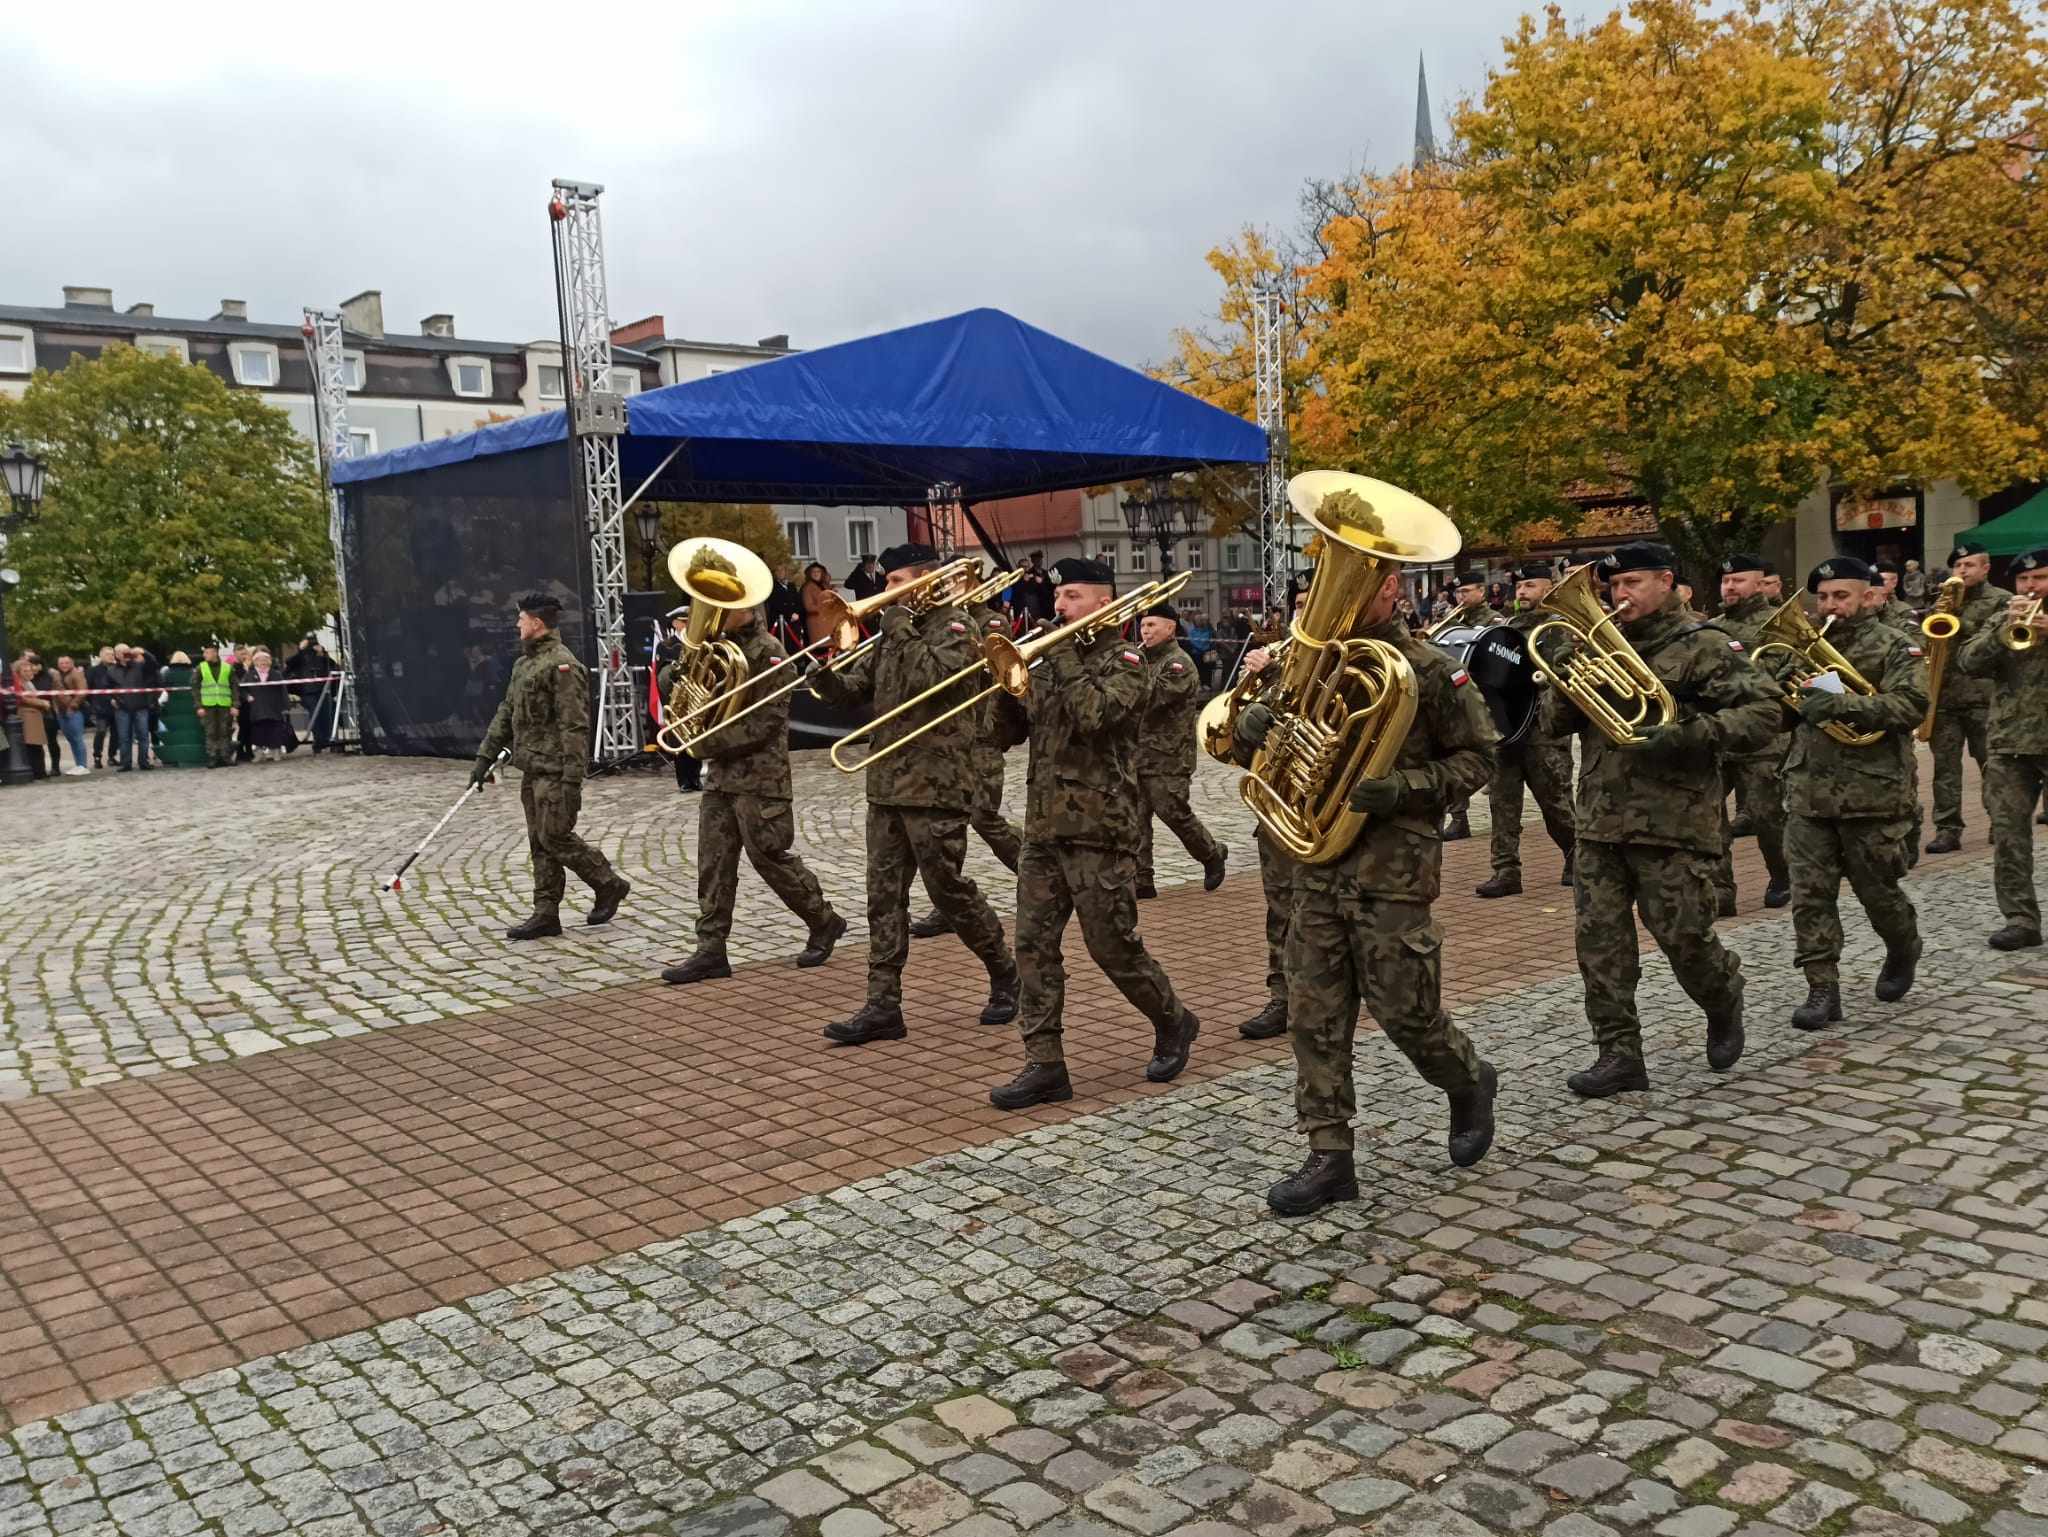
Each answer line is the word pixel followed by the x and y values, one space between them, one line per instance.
pixel 826 170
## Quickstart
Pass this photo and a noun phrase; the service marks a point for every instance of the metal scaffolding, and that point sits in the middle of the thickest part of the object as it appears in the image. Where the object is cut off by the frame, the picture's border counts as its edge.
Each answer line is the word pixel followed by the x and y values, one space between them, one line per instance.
pixel 1276 532
pixel 942 517
pixel 597 417
pixel 324 356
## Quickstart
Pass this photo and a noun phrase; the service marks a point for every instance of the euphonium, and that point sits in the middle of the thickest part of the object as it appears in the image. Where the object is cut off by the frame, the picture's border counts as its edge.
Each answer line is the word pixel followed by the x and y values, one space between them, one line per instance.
pixel 725 583
pixel 1941 628
pixel 1343 702
pixel 2019 634
pixel 1790 630
pixel 1613 687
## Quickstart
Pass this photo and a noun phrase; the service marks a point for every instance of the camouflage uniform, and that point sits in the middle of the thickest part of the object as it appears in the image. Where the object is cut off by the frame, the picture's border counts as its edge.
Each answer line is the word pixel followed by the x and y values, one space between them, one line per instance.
pixel 1361 929
pixel 918 798
pixel 2018 767
pixel 1897 614
pixel 1754 778
pixel 1081 834
pixel 545 720
pixel 1277 871
pixel 1848 809
pixel 746 808
pixel 1964 709
pixel 985 816
pixel 1166 757
pixel 1545 766
pixel 1650 825
pixel 1477 616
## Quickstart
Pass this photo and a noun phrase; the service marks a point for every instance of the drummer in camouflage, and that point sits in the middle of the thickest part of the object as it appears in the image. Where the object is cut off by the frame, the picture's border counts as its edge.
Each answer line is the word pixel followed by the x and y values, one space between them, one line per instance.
pixel 1541 763
pixel 1472 613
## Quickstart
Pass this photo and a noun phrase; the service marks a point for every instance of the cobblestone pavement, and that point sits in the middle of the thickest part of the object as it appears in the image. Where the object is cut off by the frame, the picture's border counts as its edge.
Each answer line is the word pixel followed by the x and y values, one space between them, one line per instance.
pixel 1809 1296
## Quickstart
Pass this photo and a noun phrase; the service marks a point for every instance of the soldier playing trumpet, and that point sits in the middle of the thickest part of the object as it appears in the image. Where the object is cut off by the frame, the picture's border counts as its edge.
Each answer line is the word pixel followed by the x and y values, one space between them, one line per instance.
pixel 2013 654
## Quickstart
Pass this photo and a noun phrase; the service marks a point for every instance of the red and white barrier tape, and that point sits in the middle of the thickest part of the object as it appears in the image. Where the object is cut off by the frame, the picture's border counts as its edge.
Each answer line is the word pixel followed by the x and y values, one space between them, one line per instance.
pixel 159 688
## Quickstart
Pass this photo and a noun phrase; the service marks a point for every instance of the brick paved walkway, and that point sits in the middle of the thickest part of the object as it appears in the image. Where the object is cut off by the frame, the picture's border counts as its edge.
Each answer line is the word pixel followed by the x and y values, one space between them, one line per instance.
pixel 1809 1296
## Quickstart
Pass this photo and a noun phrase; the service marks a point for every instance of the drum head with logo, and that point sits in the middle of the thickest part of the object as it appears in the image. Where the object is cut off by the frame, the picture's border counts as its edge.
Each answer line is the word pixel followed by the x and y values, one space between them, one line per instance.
pixel 1497 657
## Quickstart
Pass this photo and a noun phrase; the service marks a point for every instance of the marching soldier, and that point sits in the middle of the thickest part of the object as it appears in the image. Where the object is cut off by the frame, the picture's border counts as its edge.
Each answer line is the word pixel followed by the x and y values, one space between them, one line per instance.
pixel 1848 809
pixel 1884 598
pixel 1472 611
pixel 1542 763
pixel 746 808
pixel 1166 751
pixel 1277 870
pixel 1361 930
pixel 1752 776
pixel 2018 741
pixel 985 817
pixel 1649 823
pixel 1081 841
pixel 1963 709
pixel 545 720
pixel 917 803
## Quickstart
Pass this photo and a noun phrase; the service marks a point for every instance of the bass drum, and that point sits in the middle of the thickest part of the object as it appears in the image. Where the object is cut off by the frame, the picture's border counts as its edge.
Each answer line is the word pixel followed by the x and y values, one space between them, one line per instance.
pixel 1497 656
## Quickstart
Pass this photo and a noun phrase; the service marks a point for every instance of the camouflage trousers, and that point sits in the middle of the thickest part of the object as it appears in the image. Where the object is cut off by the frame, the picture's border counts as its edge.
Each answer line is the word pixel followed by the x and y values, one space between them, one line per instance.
pixel 1955 727
pixel 912 842
pixel 1871 852
pixel 551 807
pixel 1546 768
pixel 986 815
pixel 1056 881
pixel 763 829
pixel 1759 795
pixel 1165 796
pixel 219 726
pixel 2012 784
pixel 1276 874
pixel 1344 949
pixel 1674 891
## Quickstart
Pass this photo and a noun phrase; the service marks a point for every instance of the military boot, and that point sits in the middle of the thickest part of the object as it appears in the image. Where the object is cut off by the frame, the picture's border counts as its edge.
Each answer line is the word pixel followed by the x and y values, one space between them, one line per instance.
pixel 1945 841
pixel 2014 936
pixel 704 966
pixel 1725 905
pixel 1570 864
pixel 930 926
pixel 1472 1118
pixel 1041 1083
pixel 874 1022
pixel 1776 895
pixel 1508 883
pixel 539 926
pixel 609 896
pixel 1267 1023
pixel 819 950
pixel 1170 1046
pixel 2042 818
pixel 1823 1007
pixel 1146 890
pixel 1001 1007
pixel 1457 827
pixel 1212 872
pixel 1326 1177
pixel 1725 1038
pixel 1613 1074
pixel 1741 827
pixel 1895 977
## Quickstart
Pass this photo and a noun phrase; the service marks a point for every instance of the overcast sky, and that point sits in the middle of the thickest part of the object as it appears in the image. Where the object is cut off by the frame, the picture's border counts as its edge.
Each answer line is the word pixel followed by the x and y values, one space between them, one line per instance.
pixel 822 169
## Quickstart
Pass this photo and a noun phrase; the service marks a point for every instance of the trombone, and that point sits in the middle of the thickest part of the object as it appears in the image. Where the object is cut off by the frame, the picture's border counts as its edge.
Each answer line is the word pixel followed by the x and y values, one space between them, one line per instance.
pixel 923 593
pixel 1009 662
pixel 2019 634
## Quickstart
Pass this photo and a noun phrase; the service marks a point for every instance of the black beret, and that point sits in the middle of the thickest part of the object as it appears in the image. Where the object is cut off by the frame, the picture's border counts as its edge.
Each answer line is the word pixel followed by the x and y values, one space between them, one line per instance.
pixel 1163 610
pixel 1882 566
pixel 1743 560
pixel 1966 547
pixel 1536 572
pixel 1839 568
pixel 1640 556
pixel 541 605
pixel 1469 579
pixel 2033 560
pixel 899 557
pixel 1089 573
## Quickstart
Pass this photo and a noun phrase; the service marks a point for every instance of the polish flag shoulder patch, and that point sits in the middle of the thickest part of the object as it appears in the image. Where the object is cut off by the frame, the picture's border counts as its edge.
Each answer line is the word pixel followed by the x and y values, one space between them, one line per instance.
pixel 563 666
pixel 1914 651
pixel 1134 659
pixel 956 627
pixel 1734 645
pixel 1460 678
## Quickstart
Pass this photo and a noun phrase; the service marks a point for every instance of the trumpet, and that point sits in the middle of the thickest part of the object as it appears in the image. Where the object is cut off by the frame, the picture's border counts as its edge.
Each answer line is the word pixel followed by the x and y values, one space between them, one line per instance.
pixel 845 620
pixel 2019 634
pixel 1009 663
pixel 1790 631
pixel 1602 674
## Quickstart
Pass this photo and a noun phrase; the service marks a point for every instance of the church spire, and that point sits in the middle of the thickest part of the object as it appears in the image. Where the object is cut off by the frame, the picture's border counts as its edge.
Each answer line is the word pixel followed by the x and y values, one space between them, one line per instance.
pixel 1425 136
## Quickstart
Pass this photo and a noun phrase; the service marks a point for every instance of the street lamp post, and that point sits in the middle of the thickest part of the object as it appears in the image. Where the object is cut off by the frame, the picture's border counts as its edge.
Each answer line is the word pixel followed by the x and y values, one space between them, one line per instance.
pixel 648 519
pixel 22 474
pixel 1165 514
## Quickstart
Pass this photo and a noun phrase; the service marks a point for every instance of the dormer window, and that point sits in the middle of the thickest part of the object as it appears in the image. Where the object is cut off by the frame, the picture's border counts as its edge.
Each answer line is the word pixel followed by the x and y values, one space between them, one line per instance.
pixel 255 364
pixel 470 377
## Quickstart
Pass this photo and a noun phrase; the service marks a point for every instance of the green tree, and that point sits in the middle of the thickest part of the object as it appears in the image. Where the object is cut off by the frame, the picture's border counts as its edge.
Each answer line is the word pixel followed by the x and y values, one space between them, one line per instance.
pixel 175 510
pixel 753 525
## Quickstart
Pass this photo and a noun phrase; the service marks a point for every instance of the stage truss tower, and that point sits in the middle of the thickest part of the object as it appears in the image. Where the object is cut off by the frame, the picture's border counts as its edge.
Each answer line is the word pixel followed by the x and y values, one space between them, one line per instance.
pixel 597 418
pixel 942 517
pixel 1276 534
pixel 329 365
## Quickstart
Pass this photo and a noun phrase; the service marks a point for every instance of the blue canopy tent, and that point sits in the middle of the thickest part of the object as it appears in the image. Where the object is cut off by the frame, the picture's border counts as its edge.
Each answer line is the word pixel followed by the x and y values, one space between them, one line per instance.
pixel 442 536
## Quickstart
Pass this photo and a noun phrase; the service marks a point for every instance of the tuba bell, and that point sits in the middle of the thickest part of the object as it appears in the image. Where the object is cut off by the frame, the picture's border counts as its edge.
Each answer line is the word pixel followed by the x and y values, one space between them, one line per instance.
pixel 1343 702
pixel 1790 630
pixel 725 583
pixel 1601 673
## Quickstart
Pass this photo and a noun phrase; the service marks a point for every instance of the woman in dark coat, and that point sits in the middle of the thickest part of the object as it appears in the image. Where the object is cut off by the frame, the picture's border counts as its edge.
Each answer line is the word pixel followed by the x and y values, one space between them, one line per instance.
pixel 266 709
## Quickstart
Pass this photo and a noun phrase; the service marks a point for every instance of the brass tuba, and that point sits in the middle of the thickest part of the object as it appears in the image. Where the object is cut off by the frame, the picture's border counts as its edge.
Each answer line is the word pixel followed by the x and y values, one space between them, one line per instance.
pixel 725 583
pixel 1791 631
pixel 1343 702
pixel 1601 673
